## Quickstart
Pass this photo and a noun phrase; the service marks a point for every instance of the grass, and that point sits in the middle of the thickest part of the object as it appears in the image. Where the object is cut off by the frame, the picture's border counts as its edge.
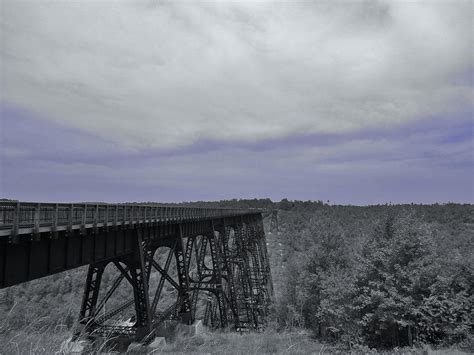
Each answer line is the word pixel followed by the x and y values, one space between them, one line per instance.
pixel 48 341
pixel 268 342
pixel 218 342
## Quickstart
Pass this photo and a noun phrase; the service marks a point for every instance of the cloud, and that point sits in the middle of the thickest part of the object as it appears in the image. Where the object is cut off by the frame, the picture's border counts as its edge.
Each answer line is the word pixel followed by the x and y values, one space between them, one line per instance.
pixel 162 75
pixel 429 163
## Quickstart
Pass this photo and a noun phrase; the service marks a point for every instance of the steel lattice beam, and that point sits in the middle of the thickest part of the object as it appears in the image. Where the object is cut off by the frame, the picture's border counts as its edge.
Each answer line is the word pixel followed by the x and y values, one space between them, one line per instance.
pixel 230 268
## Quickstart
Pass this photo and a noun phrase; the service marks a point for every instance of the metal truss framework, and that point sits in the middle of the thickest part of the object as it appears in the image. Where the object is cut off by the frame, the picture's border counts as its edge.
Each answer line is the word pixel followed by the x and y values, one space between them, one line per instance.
pixel 221 273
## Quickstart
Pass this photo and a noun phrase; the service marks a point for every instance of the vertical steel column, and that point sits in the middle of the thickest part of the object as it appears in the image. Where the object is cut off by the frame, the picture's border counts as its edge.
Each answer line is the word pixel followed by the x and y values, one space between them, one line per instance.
pixel 244 274
pixel 185 309
pixel 257 271
pixel 224 234
pixel 264 256
pixel 136 265
pixel 91 294
pixel 217 276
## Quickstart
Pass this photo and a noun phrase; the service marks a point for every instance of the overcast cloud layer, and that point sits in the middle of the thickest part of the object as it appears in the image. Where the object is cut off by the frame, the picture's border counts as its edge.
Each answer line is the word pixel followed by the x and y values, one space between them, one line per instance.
pixel 204 100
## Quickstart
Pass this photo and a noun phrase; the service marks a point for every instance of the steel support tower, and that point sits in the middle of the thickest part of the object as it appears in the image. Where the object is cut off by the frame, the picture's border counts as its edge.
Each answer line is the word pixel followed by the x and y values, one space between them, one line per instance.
pixel 179 263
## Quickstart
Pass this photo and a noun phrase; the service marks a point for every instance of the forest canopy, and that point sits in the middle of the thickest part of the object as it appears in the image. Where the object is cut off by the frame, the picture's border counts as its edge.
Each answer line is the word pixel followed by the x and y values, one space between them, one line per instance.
pixel 380 276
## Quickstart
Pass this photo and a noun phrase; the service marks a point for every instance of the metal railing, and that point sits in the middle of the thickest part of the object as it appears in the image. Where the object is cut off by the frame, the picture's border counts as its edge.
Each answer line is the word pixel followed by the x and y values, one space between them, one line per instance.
pixel 35 217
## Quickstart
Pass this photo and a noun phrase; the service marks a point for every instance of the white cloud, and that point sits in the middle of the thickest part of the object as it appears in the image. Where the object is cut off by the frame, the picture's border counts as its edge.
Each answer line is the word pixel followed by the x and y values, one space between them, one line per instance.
pixel 159 74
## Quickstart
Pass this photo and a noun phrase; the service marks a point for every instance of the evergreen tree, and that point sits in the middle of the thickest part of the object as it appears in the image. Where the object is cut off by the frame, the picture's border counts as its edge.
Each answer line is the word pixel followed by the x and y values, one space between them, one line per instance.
pixel 396 268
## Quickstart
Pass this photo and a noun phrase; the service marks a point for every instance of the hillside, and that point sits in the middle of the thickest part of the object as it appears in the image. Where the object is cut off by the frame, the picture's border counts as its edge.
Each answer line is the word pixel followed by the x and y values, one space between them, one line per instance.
pixel 380 276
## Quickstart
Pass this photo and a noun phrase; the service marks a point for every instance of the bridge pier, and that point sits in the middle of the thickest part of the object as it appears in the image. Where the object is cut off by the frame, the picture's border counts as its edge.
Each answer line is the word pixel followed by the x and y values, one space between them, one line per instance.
pixel 136 265
pixel 231 253
pixel 90 296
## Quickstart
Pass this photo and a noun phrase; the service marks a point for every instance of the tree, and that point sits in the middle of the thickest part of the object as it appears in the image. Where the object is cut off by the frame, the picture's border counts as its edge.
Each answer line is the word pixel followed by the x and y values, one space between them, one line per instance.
pixel 396 268
pixel 329 283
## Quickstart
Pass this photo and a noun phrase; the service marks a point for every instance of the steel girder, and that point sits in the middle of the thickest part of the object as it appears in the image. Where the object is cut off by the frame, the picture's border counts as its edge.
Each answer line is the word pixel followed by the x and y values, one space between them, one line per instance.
pixel 225 266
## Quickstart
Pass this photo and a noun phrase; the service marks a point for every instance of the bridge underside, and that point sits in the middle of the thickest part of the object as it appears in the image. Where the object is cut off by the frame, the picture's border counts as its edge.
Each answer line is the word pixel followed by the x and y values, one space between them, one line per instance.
pixel 215 269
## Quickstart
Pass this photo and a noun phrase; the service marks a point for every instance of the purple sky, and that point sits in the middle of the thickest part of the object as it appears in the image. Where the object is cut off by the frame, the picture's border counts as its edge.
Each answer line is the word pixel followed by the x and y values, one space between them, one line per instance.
pixel 428 161
pixel 204 101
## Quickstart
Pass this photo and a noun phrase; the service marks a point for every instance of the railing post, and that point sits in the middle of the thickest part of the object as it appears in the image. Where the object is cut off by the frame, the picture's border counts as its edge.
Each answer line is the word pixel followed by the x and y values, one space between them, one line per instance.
pixel 84 219
pixel 106 218
pixel 54 228
pixel 70 219
pixel 16 224
pixel 116 217
pixel 36 222
pixel 124 216
pixel 95 219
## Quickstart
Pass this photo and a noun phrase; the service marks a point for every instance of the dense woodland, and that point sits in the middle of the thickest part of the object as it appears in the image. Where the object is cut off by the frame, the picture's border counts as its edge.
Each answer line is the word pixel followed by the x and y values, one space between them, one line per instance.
pixel 380 276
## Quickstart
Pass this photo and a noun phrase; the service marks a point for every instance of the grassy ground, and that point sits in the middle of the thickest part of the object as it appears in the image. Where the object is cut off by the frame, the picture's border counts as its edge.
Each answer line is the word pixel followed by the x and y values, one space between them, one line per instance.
pixel 38 342
pixel 218 342
pixel 251 343
pixel 206 343
pixel 272 342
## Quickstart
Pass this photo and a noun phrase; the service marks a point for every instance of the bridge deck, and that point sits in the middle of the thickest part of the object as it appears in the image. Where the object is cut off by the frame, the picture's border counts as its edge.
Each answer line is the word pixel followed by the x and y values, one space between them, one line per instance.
pixel 17 218
pixel 40 239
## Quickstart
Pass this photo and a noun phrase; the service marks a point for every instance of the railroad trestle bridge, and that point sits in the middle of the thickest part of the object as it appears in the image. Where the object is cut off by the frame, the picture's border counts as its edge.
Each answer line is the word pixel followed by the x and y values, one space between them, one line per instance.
pixel 213 260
